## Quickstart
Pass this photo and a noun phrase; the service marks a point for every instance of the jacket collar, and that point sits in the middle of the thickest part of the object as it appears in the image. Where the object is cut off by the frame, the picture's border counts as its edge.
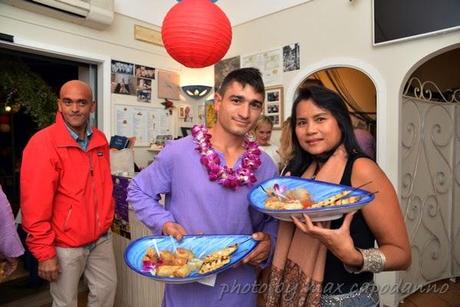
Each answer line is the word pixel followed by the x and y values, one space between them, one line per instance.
pixel 63 137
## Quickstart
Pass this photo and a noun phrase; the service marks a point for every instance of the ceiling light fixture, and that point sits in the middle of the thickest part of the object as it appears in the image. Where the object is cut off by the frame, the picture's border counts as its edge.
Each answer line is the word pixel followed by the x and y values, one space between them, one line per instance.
pixel 196 91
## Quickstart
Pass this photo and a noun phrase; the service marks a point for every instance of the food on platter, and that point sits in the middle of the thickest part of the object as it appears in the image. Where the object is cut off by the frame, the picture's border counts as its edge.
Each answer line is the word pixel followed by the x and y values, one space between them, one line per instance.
pixel 164 259
pixel 288 199
pixel 337 200
pixel 217 259
pixel 299 198
pixel 214 263
pixel 227 251
pixel 181 262
pixel 285 197
pixel 173 270
pixel 280 204
pixel 168 263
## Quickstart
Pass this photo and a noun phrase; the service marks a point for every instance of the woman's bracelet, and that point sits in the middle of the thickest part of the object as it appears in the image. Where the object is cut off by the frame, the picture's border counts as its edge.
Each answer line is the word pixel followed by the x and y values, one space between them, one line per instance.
pixel 373 261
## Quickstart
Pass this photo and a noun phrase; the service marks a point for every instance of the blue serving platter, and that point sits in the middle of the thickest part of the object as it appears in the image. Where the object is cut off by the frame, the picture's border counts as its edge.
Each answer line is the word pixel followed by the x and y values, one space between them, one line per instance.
pixel 200 245
pixel 319 190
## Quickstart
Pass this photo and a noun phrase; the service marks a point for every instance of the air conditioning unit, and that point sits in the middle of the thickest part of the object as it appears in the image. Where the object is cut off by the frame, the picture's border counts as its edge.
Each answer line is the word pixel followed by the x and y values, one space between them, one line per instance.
pixel 92 13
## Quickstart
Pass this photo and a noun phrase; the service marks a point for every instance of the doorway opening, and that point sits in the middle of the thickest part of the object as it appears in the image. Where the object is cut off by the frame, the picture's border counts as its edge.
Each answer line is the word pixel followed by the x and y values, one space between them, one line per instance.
pixel 430 167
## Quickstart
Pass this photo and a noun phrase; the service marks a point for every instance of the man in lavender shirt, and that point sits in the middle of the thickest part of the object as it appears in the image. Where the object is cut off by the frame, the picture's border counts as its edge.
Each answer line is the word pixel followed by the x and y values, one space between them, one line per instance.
pixel 10 244
pixel 195 204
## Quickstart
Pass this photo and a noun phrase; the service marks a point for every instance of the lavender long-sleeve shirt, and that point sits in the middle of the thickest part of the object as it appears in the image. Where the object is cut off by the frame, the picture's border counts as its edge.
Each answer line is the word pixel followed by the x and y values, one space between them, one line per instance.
pixel 10 244
pixel 200 205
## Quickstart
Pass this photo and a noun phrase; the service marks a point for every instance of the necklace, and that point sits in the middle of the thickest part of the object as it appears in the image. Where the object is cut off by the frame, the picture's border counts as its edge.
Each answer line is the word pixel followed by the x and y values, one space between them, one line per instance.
pixel 226 176
pixel 315 172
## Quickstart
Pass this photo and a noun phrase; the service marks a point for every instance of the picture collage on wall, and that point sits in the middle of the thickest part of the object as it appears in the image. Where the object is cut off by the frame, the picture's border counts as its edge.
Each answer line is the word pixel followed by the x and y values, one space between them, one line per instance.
pixel 132 79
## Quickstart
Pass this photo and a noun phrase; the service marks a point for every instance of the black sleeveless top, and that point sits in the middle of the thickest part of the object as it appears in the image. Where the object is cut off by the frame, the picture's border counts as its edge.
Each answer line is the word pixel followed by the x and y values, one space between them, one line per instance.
pixel 336 279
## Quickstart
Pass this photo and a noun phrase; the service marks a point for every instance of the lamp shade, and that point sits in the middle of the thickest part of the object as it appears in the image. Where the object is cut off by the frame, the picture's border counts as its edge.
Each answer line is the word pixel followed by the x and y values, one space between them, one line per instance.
pixel 196 33
pixel 196 91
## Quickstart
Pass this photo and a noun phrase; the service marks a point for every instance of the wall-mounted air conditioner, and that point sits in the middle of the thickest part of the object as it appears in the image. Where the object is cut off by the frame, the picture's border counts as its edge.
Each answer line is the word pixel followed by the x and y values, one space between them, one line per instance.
pixel 92 13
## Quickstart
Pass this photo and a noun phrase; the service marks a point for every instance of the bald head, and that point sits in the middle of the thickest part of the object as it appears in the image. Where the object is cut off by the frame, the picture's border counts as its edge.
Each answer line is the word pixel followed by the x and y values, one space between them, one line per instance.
pixel 76 104
pixel 76 85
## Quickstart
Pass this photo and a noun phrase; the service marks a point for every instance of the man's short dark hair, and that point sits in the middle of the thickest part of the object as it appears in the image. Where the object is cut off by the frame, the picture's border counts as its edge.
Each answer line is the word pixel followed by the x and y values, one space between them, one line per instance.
pixel 244 76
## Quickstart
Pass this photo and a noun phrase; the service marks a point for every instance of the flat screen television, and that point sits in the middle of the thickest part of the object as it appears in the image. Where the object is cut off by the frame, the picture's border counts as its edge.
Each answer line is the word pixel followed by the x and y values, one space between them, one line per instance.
pixel 396 20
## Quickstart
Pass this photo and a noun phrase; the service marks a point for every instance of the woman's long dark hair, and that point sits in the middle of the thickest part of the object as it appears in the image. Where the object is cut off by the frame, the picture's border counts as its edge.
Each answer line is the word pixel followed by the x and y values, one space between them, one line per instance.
pixel 328 100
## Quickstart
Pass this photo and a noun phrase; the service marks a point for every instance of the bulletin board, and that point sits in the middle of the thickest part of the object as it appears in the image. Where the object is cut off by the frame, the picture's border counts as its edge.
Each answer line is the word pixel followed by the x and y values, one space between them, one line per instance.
pixel 145 123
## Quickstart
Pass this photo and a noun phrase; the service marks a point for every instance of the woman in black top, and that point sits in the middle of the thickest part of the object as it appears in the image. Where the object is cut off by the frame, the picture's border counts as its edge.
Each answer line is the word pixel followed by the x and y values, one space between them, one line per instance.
pixel 324 147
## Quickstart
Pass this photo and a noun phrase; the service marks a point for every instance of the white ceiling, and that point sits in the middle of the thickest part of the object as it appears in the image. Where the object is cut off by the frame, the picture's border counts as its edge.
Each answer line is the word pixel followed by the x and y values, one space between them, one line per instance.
pixel 238 11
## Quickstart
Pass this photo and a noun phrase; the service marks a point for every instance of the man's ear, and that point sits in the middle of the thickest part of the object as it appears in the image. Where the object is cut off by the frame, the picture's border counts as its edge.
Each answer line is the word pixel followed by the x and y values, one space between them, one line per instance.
pixel 93 107
pixel 59 104
pixel 217 101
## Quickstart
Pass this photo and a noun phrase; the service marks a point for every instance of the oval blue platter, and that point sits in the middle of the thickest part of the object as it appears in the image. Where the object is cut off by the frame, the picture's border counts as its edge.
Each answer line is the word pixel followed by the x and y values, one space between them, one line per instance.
pixel 319 190
pixel 200 245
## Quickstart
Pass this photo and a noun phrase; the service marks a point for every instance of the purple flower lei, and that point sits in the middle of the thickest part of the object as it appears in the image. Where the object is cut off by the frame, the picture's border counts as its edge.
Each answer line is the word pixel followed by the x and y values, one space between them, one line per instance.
pixel 226 176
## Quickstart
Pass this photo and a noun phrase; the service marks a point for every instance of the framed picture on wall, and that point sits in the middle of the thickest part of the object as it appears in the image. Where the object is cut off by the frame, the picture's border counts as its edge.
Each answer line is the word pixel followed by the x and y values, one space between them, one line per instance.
pixel 168 85
pixel 210 114
pixel 273 107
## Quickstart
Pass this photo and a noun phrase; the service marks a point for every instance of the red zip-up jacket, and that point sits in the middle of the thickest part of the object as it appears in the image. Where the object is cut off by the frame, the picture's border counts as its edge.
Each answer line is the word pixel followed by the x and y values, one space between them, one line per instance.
pixel 66 193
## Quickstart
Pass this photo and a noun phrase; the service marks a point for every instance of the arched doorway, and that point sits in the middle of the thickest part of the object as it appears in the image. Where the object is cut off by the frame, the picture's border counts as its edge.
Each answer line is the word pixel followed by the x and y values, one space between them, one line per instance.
pixel 357 83
pixel 430 167
pixel 359 93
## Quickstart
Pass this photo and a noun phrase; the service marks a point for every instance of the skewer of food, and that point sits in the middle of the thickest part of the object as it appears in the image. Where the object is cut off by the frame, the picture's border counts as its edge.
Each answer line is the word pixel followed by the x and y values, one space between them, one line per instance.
pixel 217 259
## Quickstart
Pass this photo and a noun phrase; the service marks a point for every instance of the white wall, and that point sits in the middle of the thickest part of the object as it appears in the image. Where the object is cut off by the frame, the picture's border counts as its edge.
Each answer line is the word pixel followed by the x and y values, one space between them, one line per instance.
pixel 339 32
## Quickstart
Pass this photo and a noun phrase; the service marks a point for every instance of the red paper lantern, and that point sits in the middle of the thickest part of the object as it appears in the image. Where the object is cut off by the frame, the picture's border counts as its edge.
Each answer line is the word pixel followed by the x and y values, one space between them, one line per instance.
pixel 196 33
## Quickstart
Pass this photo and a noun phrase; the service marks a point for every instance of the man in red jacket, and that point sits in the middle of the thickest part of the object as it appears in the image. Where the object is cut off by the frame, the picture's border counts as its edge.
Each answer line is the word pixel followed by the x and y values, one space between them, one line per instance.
pixel 66 201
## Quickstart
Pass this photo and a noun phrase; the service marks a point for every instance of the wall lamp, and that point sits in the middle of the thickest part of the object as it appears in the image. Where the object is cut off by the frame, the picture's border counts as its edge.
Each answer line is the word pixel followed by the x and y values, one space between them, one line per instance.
pixel 196 91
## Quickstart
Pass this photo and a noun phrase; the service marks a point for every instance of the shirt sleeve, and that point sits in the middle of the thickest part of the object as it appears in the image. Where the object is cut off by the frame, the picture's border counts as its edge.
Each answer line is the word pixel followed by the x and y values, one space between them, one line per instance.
pixel 262 222
pixel 144 192
pixel 10 244
pixel 39 178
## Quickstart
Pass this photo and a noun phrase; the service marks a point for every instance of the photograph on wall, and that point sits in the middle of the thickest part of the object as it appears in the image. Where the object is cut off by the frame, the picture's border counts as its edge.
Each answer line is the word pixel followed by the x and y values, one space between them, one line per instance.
pixel 144 95
pixel 210 114
pixel 275 120
pixel 123 84
pixel 168 85
pixel 270 64
pixel 119 67
pixel 222 68
pixel 291 57
pixel 143 84
pixel 145 72
pixel 273 107
pixel 186 113
pixel 182 111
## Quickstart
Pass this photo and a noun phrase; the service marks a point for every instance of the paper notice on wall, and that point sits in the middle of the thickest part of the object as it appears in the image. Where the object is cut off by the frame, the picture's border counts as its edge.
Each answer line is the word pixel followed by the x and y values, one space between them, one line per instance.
pixel 123 121
pixel 270 64
pixel 145 123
